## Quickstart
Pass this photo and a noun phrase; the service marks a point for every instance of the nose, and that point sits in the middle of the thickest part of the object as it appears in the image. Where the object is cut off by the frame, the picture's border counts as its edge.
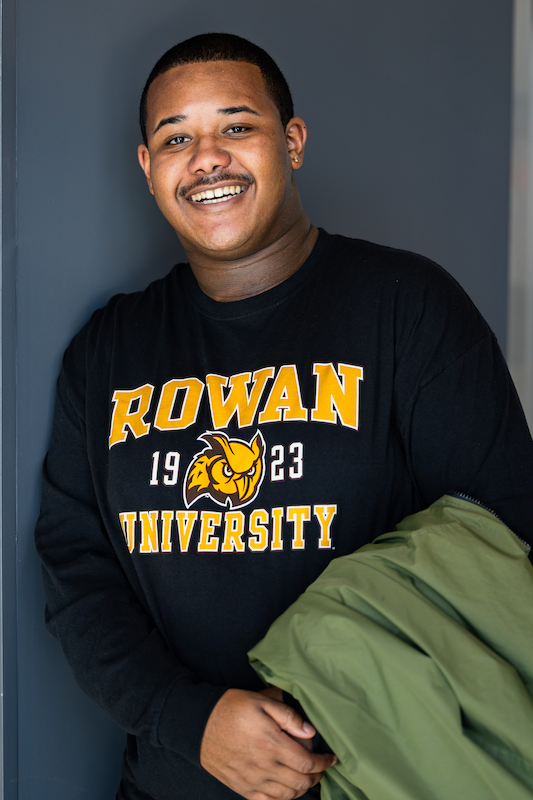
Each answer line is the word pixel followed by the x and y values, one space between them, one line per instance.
pixel 208 156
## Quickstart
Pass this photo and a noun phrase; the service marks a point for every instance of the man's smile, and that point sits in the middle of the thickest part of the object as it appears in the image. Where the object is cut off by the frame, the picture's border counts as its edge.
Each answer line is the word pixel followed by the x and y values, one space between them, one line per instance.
pixel 221 187
pixel 220 194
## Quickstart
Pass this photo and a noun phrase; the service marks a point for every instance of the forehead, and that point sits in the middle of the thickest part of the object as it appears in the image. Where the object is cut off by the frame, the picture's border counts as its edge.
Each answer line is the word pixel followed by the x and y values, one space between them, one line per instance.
pixel 216 84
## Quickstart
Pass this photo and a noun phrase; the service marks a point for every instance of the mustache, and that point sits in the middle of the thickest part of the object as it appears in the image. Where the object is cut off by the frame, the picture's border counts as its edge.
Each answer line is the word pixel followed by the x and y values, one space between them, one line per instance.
pixel 209 180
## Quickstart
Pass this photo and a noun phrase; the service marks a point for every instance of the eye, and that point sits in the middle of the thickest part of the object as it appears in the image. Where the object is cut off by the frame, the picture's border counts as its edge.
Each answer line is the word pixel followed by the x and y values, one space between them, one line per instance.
pixel 238 129
pixel 226 471
pixel 251 471
pixel 179 140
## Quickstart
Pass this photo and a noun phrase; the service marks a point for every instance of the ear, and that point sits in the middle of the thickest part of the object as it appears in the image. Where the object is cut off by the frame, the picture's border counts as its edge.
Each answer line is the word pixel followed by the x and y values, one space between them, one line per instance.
pixel 144 160
pixel 296 136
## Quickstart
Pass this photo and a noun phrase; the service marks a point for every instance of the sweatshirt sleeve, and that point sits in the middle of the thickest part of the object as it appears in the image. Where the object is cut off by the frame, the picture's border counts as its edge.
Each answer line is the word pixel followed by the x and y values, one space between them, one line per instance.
pixel 465 431
pixel 457 411
pixel 118 656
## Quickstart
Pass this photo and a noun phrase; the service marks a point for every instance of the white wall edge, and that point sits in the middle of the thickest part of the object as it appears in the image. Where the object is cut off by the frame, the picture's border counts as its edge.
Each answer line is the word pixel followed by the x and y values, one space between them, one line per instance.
pixel 520 310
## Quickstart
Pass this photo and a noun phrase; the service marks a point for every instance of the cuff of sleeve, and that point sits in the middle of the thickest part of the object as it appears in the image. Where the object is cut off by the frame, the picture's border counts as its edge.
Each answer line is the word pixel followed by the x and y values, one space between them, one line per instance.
pixel 184 716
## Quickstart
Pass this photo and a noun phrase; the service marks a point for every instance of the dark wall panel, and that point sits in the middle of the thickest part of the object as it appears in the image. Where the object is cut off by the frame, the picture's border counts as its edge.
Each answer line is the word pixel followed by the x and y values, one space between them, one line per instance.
pixel 408 112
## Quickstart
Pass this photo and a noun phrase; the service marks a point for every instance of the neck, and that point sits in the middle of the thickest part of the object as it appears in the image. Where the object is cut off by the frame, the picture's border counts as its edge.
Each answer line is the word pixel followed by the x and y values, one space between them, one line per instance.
pixel 228 281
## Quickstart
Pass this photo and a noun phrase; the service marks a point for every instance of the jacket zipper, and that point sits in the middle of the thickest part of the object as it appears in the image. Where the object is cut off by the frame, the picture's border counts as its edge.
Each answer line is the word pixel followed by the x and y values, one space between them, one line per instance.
pixel 463 496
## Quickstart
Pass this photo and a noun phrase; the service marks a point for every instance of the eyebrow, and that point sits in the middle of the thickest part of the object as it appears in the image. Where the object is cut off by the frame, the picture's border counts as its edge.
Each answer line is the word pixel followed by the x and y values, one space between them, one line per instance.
pixel 170 121
pixel 237 110
pixel 177 118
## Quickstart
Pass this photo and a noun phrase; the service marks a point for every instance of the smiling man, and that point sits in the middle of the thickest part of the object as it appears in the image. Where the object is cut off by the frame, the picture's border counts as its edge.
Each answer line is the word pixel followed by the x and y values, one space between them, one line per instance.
pixel 283 398
pixel 221 173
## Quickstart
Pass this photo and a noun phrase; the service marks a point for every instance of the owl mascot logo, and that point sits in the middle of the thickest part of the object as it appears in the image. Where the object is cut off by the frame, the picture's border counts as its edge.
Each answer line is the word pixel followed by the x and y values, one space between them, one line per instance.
pixel 229 471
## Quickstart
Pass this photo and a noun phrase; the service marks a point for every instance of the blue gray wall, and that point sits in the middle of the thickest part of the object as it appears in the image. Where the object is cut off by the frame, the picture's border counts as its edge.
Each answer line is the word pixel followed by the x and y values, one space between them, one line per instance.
pixel 407 106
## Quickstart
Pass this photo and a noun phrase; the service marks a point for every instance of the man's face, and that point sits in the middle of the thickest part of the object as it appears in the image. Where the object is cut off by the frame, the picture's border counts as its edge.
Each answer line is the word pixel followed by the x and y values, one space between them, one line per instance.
pixel 218 160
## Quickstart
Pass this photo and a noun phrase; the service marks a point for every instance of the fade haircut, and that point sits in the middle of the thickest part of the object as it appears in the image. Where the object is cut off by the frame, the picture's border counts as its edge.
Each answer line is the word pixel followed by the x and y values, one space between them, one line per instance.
pixel 222 47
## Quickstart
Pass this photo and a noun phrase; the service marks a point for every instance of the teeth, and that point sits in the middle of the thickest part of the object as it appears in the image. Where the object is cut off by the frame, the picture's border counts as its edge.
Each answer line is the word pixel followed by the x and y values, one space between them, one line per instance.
pixel 218 195
pixel 217 200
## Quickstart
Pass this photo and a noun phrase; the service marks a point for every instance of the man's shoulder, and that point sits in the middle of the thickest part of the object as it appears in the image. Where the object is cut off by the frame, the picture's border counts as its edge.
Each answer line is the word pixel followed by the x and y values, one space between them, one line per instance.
pixel 152 296
pixel 384 259
pixel 382 270
pixel 135 305
pixel 125 315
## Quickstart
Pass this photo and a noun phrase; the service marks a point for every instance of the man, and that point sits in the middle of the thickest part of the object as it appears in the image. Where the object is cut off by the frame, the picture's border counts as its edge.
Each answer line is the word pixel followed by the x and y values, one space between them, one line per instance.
pixel 281 400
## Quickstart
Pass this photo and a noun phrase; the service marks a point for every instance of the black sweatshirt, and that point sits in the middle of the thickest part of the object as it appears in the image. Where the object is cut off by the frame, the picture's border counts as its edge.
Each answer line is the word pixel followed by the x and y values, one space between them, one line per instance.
pixel 209 459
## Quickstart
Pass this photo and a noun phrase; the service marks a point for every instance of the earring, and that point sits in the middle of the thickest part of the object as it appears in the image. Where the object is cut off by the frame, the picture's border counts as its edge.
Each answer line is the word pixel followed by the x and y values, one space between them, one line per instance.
pixel 295 159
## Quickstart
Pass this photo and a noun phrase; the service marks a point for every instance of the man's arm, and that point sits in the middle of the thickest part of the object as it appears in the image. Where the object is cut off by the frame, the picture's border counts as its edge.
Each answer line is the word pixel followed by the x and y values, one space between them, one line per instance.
pixel 122 661
pixel 117 654
pixel 465 431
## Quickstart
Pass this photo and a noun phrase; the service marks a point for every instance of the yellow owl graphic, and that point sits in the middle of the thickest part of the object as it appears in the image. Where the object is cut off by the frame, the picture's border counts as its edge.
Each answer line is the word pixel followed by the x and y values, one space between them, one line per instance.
pixel 229 471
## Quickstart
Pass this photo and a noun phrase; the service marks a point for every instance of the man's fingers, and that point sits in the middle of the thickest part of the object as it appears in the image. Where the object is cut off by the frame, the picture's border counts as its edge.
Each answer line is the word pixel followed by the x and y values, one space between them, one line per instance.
pixel 289 791
pixel 323 761
pixel 289 720
pixel 294 756
pixel 307 744
pixel 299 757
pixel 289 781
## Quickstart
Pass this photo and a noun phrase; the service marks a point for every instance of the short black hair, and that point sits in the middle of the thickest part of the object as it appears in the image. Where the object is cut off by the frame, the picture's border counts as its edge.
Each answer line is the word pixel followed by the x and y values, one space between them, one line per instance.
pixel 223 47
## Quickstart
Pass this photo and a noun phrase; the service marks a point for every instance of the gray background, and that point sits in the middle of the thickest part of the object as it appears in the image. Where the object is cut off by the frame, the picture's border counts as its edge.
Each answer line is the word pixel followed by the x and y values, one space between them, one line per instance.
pixel 408 107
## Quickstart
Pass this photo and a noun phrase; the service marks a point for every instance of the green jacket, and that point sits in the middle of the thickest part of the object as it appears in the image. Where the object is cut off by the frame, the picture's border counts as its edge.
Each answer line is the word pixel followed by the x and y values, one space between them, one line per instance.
pixel 413 657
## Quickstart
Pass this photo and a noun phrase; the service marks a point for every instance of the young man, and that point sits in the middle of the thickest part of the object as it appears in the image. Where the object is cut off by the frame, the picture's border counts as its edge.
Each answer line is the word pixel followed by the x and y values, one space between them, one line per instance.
pixel 280 400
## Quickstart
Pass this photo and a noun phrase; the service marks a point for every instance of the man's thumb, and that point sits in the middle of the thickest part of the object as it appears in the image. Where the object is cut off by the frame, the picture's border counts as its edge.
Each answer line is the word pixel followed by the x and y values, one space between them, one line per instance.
pixel 289 720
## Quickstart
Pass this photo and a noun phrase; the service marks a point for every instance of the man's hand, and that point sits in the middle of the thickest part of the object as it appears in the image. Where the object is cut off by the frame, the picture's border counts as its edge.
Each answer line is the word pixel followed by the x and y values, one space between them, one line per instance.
pixel 247 745
pixel 276 694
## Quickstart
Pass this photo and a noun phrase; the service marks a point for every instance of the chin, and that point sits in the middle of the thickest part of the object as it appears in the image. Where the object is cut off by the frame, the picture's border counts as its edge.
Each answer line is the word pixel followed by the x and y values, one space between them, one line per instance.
pixel 231 243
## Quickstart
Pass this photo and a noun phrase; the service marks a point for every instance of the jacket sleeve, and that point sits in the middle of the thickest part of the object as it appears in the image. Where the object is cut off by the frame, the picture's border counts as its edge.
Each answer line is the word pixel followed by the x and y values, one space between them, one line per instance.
pixel 117 654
